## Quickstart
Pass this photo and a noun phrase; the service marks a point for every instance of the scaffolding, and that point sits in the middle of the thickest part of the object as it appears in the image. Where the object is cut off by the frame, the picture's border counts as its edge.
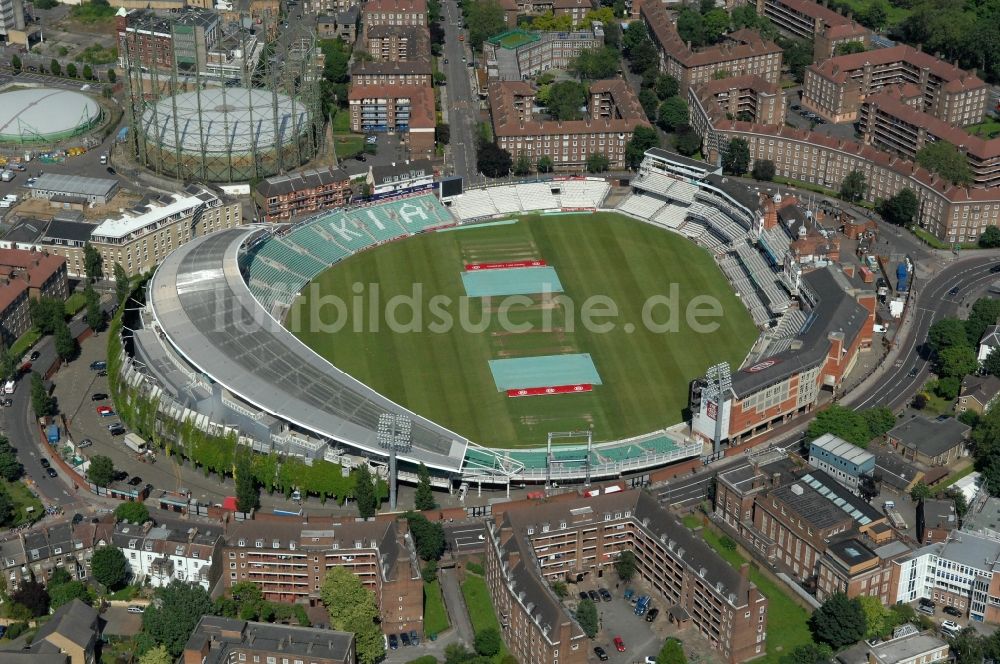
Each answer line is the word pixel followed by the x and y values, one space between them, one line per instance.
pixel 195 121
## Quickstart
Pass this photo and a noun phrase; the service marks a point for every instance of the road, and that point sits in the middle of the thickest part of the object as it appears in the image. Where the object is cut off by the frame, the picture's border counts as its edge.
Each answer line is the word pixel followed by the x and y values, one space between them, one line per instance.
pixel 463 104
pixel 933 302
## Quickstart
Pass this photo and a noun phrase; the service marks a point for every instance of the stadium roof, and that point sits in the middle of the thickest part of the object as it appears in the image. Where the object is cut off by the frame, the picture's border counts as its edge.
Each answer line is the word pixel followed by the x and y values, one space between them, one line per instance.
pixel 206 310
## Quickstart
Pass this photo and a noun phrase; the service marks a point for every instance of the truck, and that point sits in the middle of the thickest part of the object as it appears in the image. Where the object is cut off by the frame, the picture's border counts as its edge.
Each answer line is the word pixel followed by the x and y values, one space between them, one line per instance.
pixel 8 387
pixel 52 434
pixel 902 277
pixel 135 443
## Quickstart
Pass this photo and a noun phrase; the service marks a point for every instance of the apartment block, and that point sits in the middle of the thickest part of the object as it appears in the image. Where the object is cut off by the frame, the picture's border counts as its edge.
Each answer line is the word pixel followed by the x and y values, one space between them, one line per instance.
pixel 390 73
pixel 217 640
pixel 27 275
pixel 613 113
pixel 532 544
pixel 289 561
pixel 745 98
pixel 283 197
pixel 837 87
pixel 163 553
pixel 743 53
pixel 155 41
pixel 814 22
pixel 397 43
pixel 537 51
pixel 11 20
pixel 893 120
pixel 148 231
pixel 858 568
pixel 393 12
pixel 396 109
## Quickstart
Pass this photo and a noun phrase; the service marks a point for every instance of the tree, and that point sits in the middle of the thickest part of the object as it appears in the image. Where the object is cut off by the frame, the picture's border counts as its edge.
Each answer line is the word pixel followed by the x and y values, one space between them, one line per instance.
pixel 841 422
pixel 8 364
pixel 8 515
pixel 874 16
pixel 523 164
pixel 429 572
pixel 985 312
pixel 121 283
pixel 947 388
pixel 15 63
pixel 41 402
pixel 957 361
pixel 625 565
pixel 943 158
pixel 920 491
pixel 170 620
pixel 838 622
pixel 687 141
pixel 809 653
pixel 564 100
pixel 428 536
pixel 672 652
pixel 990 239
pixel 736 157
pixel 595 64
pixel 10 467
pixel 247 489
pixel 109 567
pixel 95 315
pixel 946 333
pixel 158 655
pixel 132 512
pixel 560 589
pixel 667 86
pixel 364 492
pixel 71 70
pixel 64 593
pixel 597 162
pixel 691 26
pixel 545 164
pixel 65 343
pixel 487 642
pixel 853 187
pixel 88 72
pixel 901 208
pixel 920 401
pixel 763 169
pixel 353 608
pixel 991 364
pixel 643 138
pixel 424 497
pixel 55 67
pixel 879 420
pixel 112 76
pixel 485 18
pixel 46 314
pixel 442 133
pixel 493 161
pixel 249 600
pixel 649 103
pixel 848 48
pixel 586 615
pixel 32 595
pixel 93 264
pixel 797 54
pixel 672 113
pixel 100 471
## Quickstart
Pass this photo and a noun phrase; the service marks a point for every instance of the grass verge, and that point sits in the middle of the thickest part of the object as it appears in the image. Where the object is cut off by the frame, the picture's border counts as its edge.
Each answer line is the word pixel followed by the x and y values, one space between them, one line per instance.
pixel 787 626
pixel 74 303
pixel 435 614
pixel 24 342
pixel 480 608
pixel 934 242
pixel 941 488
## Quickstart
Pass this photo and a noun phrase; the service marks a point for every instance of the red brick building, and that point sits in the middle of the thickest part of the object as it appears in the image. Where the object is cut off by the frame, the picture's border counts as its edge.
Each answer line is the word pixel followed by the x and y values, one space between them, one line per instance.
pixel 285 196
pixel 25 276
pixel 288 562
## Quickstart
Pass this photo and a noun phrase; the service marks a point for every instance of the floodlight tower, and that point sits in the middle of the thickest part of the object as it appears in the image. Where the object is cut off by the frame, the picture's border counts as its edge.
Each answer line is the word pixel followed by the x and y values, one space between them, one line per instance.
pixel 720 383
pixel 395 434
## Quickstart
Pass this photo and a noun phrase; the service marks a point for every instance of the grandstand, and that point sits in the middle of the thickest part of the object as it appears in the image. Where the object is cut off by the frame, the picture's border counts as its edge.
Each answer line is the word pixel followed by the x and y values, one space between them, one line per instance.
pixel 551 195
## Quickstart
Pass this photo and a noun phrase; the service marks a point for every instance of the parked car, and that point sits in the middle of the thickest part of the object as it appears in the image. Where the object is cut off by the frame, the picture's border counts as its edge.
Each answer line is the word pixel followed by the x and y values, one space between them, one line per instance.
pixel 98 396
pixel 601 653
pixel 8 402
pixel 116 429
pixel 405 638
pixel 77 518
pixel 414 637
pixel 952 611
pixel 583 594
pixel 951 626
pixel 135 608
pixel 51 472
pixel 651 616
pixel 135 481
pixel 45 463
pixel 34 355
pixel 105 411
pixel 594 597
pixel 102 373
pixel 619 644
pixel 97 365
pixel 629 593
pixel 86 442
pixel 393 642
pixel 605 595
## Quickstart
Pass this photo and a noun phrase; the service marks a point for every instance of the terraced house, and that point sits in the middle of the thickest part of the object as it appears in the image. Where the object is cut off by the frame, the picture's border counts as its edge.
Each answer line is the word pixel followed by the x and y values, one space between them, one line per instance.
pixel 531 544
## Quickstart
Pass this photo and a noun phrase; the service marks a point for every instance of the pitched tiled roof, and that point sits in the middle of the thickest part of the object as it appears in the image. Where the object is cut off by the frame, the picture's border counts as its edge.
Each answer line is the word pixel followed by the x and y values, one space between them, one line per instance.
pixel 838 69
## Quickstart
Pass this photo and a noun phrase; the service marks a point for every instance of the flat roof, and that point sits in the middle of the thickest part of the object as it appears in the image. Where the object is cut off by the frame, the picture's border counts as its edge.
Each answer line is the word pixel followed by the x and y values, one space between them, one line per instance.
pixel 130 223
pixel 667 155
pixel 842 448
pixel 930 437
pixel 907 648
pixel 75 184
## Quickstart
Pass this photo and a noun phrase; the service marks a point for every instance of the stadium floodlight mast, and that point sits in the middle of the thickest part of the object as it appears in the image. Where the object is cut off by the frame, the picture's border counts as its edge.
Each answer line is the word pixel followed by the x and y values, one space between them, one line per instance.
pixel 720 383
pixel 395 434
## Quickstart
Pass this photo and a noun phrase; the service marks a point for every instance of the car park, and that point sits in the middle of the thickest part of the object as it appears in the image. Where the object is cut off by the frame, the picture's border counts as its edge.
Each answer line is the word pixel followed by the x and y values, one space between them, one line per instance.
pixel 619 644
pixel 51 472
pixel 605 595
pixel 601 653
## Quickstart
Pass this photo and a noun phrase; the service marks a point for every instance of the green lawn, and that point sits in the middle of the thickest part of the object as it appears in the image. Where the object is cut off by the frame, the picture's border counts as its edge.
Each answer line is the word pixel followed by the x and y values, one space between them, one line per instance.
pixel 24 342
pixel 786 621
pixel 988 128
pixel 340 123
pixel 435 614
pixel 74 303
pixel 23 499
pixel 895 15
pixel 446 376
pixel 348 145
pixel 480 607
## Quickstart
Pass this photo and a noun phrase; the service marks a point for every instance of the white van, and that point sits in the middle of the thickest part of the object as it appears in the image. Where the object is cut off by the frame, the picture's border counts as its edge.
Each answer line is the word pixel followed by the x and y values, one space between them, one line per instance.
pixel 8 387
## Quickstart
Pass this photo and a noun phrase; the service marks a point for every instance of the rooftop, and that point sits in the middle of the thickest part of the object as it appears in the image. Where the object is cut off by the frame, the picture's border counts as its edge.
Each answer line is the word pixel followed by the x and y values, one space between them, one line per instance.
pixel 839 68
pixel 156 212
pixel 68 231
pixel 822 501
pixel 76 184
pixel 281 185
pixel 939 513
pixel 983 516
pixel 908 648
pixel 223 635
pixel 74 621
pixel 930 437
pixel 981 388
pixel 842 448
